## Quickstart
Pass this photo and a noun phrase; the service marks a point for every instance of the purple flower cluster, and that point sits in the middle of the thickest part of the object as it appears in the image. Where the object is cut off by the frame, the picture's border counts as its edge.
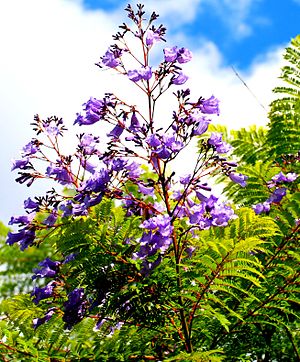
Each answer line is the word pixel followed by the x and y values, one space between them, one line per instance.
pixel 95 110
pixel 208 213
pixel 74 308
pixel 164 146
pixel 278 193
pixel 218 144
pixel 156 238
pixel 48 269
pixel 144 73
pixel 180 55
pixel 111 58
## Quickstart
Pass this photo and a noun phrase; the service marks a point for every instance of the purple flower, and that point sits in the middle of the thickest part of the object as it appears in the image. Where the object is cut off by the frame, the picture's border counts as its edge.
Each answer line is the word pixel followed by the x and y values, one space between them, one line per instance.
pixel 221 214
pixel 277 195
pixel 238 178
pixel 170 54
pixel 163 153
pixel 201 127
pixel 210 105
pixel 24 238
pixel 94 111
pixel 153 140
pixel 116 131
pixel 184 180
pixel 134 75
pixel 52 130
pixel 97 182
pixel 190 250
pixel 196 213
pixel 146 73
pixel 261 208
pixel 39 321
pixel 179 79
pixel 134 170
pixel 146 190
pixel 162 223
pixel 184 55
pixel 118 164
pixel 48 270
pixel 60 173
pixel 88 143
pixel 111 58
pixel 51 219
pixel 74 308
pixel 22 220
pixel 30 149
pixel 22 164
pixel 138 74
pixel 291 176
pixel 30 204
pixel 134 123
pixel 216 141
pixel 281 177
pixel 87 166
pixel 43 293
pixel 152 37
pixel 69 258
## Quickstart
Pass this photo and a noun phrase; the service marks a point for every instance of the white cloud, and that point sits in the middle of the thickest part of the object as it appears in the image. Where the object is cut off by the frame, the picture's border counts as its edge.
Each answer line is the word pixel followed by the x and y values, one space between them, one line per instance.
pixel 48 51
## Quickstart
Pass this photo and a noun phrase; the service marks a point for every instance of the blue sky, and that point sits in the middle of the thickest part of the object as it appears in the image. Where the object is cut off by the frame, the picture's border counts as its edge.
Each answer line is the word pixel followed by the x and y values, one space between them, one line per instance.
pixel 50 47
pixel 242 29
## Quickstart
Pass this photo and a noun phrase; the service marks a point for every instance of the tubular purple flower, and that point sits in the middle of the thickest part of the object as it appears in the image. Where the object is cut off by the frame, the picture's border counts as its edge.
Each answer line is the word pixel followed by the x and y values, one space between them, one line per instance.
pixel 170 54
pixel 94 109
pixel 179 79
pixel 238 178
pixel 48 270
pixel 111 59
pixel 30 149
pixel 24 238
pixel 116 131
pixel 216 141
pixel 39 321
pixel 201 127
pixel 149 191
pixel 277 195
pixel 145 73
pixel 74 308
pixel 30 204
pixel 152 37
pixel 22 164
pixel 210 105
pixel 184 180
pixel 134 123
pixel 43 293
pixel 291 176
pixel 184 55
pixel 261 208
pixel 22 220
pixel 134 75
pixel 61 174
pixel 221 214
pixel 153 140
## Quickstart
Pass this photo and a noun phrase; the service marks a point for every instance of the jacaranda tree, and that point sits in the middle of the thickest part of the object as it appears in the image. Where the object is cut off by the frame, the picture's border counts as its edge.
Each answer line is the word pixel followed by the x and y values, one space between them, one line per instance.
pixel 144 263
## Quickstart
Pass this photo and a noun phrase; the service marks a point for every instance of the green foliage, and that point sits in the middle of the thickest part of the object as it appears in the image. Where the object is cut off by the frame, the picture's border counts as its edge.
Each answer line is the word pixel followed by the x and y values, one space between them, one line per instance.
pixel 283 132
pixel 236 299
